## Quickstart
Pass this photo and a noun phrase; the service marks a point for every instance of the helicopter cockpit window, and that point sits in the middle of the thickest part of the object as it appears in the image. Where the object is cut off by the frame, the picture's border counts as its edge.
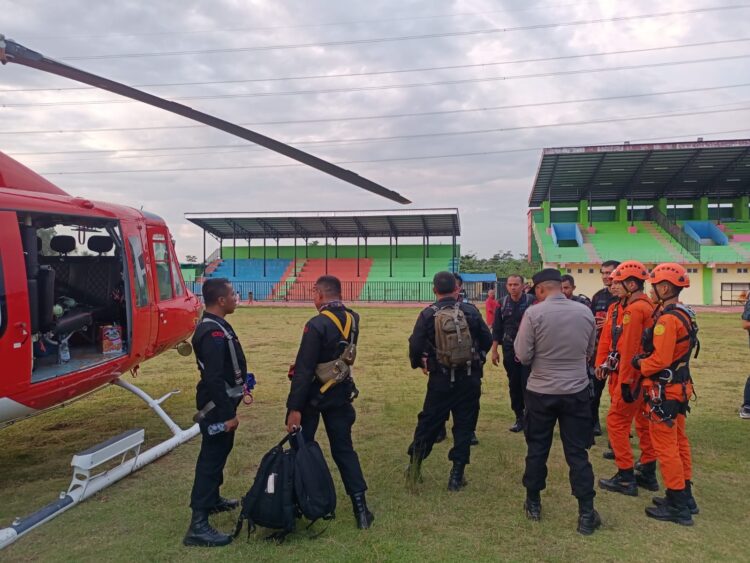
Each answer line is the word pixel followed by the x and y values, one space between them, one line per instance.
pixel 163 270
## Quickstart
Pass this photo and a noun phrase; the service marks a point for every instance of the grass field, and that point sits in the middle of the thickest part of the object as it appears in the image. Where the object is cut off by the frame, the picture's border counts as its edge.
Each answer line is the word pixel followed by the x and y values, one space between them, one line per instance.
pixel 145 516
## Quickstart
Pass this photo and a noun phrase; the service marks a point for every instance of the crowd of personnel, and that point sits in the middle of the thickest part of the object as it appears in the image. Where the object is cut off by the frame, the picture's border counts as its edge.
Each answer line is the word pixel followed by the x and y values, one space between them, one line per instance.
pixel 559 351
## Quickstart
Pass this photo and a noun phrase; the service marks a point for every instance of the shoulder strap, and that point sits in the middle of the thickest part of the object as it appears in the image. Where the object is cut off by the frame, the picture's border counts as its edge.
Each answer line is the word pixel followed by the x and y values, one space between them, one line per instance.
pixel 232 351
pixel 687 321
pixel 344 330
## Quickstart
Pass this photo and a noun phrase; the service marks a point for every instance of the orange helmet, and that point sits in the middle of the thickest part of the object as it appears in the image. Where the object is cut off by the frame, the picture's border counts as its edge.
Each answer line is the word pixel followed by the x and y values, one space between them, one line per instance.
pixel 671 272
pixel 629 269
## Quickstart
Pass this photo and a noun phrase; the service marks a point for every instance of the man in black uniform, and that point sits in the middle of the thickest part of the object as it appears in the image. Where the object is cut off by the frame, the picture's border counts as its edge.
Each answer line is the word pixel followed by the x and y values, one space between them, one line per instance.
pixel 569 288
pixel 449 390
pixel 600 303
pixel 507 320
pixel 211 342
pixel 324 340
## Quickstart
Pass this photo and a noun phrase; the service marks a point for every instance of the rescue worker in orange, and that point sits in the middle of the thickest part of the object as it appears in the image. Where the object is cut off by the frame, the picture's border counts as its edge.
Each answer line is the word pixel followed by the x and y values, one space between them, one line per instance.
pixel 667 387
pixel 620 341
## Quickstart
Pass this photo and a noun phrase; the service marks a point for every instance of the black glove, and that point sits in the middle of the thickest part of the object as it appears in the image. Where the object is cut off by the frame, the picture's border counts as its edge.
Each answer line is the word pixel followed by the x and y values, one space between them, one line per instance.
pixel 627 395
pixel 635 362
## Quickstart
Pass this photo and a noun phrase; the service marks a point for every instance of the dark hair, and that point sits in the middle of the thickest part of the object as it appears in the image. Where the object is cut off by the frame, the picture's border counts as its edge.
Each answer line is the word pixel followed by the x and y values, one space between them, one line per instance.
pixel 329 285
pixel 459 279
pixel 213 288
pixel 608 263
pixel 640 283
pixel 568 278
pixel 519 276
pixel 444 283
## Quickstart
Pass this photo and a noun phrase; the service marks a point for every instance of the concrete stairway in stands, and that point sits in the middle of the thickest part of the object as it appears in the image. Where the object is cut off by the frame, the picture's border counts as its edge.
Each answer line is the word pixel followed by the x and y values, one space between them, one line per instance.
pixel 664 240
pixel 588 246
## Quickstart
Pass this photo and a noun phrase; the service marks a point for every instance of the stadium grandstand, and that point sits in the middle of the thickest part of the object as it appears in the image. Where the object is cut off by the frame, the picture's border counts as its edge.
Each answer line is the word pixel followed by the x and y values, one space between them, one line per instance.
pixel 668 202
pixel 369 272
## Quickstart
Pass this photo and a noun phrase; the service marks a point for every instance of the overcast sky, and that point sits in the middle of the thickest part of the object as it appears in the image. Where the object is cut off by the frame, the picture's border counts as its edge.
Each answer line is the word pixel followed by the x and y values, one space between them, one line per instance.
pixel 309 44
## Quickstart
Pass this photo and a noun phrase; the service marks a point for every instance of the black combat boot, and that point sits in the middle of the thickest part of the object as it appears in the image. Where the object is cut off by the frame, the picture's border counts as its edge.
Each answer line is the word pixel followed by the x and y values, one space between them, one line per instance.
pixel 532 506
pixel 691 504
pixel 362 514
pixel 474 440
pixel 202 534
pixel 517 426
pixel 623 482
pixel 675 509
pixel 456 480
pixel 224 505
pixel 646 476
pixel 597 429
pixel 588 518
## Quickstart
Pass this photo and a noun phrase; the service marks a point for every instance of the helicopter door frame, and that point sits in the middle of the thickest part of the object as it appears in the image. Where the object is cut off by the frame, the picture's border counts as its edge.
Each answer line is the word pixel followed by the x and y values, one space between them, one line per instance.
pixel 15 333
pixel 169 299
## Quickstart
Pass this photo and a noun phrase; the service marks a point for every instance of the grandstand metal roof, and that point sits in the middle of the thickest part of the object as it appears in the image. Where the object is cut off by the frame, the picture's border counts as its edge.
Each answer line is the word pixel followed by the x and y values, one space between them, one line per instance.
pixel 643 171
pixel 334 224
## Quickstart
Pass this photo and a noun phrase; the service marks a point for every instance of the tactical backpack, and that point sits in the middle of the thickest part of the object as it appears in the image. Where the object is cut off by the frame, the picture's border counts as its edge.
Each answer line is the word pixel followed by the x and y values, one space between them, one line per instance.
pixel 270 501
pixel 313 485
pixel 453 345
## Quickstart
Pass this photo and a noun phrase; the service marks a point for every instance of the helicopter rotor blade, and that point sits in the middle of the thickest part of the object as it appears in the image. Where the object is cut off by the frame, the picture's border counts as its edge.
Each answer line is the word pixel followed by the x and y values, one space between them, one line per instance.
pixel 13 52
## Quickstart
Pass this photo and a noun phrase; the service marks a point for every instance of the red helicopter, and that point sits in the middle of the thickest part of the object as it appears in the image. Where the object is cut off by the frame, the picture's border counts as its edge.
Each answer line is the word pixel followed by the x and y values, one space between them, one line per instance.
pixel 89 291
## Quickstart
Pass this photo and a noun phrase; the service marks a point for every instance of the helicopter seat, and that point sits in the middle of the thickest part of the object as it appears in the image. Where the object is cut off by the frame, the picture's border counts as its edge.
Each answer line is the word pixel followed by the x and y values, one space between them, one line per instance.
pixel 72 321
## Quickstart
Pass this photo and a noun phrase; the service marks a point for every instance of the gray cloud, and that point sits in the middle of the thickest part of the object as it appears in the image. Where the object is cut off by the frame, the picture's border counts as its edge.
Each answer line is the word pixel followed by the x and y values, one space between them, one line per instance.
pixel 490 191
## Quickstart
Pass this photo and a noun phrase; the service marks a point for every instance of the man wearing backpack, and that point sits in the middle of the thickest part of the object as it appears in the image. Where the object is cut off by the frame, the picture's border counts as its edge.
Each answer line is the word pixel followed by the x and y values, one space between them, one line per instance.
pixel 449 343
pixel 328 340
pixel 222 365
pixel 504 328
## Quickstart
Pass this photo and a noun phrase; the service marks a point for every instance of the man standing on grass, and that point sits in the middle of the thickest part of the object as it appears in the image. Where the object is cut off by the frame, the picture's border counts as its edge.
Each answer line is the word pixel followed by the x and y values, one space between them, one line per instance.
pixel 556 338
pixel 449 342
pixel 504 328
pixel 222 365
pixel 329 337
pixel 745 408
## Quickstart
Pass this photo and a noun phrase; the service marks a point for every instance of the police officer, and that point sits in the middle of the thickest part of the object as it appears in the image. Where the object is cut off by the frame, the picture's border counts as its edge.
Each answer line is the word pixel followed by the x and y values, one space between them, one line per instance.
pixel 453 390
pixel 218 372
pixel 504 329
pixel 324 339
pixel 667 387
pixel 557 392
pixel 600 303
pixel 568 289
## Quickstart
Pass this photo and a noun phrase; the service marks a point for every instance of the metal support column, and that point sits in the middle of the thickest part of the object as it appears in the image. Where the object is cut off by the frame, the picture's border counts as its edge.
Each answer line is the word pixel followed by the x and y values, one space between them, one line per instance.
pixel 424 257
pixel 453 253
pixel 357 256
pixel 204 251
pixel 366 255
pixel 264 256
pixel 428 245
pixel 335 247
pixel 277 248
pixel 326 254
pixel 396 247
pixel 295 256
pixel 234 251
pixel 307 249
pixel 390 256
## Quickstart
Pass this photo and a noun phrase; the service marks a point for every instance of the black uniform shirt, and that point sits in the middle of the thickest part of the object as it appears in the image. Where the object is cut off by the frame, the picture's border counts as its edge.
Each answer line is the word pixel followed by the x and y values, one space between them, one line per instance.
pixel 508 318
pixel 582 299
pixel 600 303
pixel 422 339
pixel 212 351
pixel 321 342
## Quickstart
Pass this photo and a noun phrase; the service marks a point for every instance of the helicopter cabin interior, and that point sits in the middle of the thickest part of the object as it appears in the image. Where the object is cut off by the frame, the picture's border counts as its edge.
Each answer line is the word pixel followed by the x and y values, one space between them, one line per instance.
pixel 78 299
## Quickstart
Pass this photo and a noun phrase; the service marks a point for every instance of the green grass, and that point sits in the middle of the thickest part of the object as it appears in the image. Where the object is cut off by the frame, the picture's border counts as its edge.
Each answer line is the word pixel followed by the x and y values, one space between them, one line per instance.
pixel 144 516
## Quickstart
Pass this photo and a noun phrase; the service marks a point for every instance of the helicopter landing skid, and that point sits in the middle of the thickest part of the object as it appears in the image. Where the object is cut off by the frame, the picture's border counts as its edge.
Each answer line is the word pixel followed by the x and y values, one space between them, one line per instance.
pixel 86 482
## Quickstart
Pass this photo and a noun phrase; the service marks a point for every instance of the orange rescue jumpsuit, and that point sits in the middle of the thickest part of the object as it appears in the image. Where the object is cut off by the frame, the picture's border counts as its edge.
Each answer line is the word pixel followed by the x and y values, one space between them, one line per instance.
pixel 634 318
pixel 671 344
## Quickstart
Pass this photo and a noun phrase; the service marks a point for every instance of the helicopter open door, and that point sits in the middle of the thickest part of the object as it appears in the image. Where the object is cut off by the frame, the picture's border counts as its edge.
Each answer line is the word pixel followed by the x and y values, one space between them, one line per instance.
pixel 174 302
pixel 15 319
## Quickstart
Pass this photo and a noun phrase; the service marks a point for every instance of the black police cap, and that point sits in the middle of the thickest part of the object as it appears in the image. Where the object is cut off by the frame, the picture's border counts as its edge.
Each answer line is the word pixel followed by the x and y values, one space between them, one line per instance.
pixel 548 274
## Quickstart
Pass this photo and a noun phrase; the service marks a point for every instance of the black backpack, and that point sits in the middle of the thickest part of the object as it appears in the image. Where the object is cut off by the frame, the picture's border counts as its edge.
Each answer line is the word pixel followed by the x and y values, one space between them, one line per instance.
pixel 270 501
pixel 313 485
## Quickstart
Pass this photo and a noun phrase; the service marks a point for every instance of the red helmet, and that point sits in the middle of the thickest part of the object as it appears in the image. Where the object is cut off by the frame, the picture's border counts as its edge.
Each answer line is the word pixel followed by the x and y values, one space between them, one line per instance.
pixel 629 269
pixel 671 272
